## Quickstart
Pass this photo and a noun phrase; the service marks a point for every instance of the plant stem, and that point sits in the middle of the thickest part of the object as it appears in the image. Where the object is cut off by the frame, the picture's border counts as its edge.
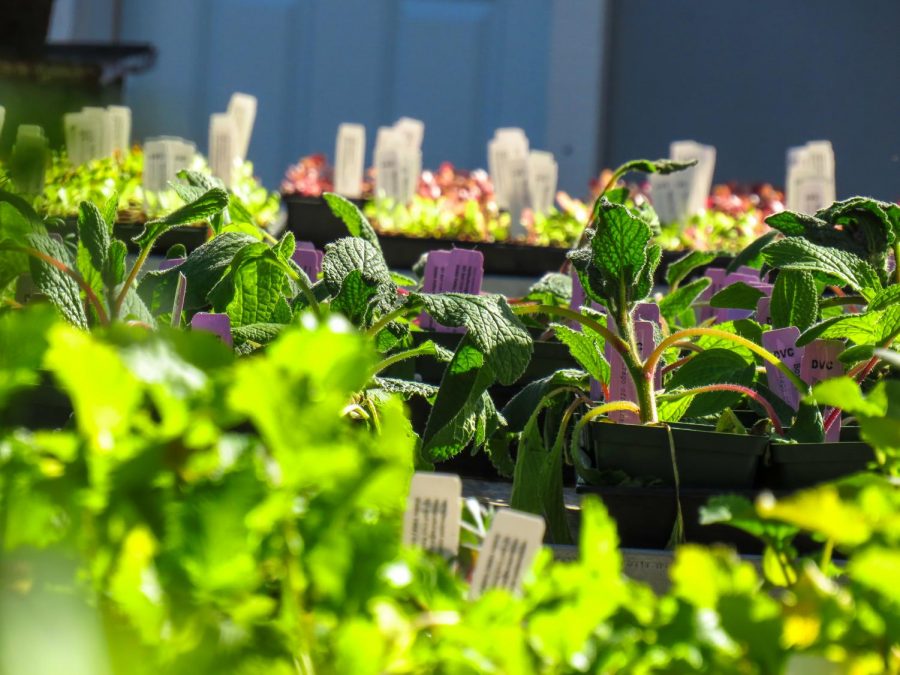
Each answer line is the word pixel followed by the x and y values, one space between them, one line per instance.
pixel 826 554
pixel 651 363
pixel 746 391
pixel 132 275
pixel 614 340
pixel 839 300
pixel 65 269
pixel 384 364
pixel 386 319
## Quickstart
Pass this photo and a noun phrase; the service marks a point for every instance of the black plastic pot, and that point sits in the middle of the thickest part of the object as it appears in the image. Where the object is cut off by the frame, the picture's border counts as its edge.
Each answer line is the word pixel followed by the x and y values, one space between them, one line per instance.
pixel 645 517
pixel 25 25
pixel 800 465
pixel 310 219
pixel 189 236
pixel 42 406
pixel 705 459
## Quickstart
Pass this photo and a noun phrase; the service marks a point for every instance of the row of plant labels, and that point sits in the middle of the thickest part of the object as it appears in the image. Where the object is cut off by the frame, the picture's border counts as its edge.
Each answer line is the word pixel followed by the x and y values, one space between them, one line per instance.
pixel 523 178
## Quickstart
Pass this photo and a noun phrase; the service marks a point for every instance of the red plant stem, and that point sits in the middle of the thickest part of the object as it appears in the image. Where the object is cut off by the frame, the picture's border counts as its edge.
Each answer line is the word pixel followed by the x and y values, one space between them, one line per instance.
pixel 82 284
pixel 859 373
pixel 746 391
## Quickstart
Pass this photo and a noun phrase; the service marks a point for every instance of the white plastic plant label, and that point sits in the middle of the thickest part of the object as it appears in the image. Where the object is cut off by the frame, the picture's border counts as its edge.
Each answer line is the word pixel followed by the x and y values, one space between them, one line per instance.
pixel 508 144
pixel 223 146
pixel 178 304
pixel 698 178
pixel 507 552
pixel 90 135
pixel 515 180
pixel 99 123
pixel 432 516
pixel 120 123
pixel 783 344
pixel 412 130
pixel 242 108
pixel 810 177
pixel 181 155
pixel 820 362
pixel 670 194
pixel 349 160
pixel 389 150
pixel 72 123
pixel 154 165
pixel 543 173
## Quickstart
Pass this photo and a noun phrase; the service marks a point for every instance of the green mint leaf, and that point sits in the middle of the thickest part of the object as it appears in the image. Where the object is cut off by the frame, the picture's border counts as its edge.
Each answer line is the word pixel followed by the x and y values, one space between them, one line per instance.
pixel 522 406
pixel 713 366
pixel 133 308
pixel 808 425
pixel 661 166
pixel 354 298
pixel 551 289
pixel 260 333
pixel 357 223
pixel 796 253
pixel 203 268
pixel 113 271
pixel 860 328
pixel 644 285
pixel 350 254
pixel 795 300
pixel 752 256
pixel 198 179
pixel 93 233
pixel 200 210
pixel 889 296
pixel 406 388
pixel 615 260
pixel 679 270
pixel 111 211
pixel 493 329
pixel 586 347
pixel 252 290
pixel 856 353
pixel 675 303
pixel 403 280
pixel 187 192
pixel 60 288
pixel 736 296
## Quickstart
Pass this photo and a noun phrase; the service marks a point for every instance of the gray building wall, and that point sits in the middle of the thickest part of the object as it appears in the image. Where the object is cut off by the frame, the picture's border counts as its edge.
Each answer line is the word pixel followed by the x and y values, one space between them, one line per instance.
pixel 754 77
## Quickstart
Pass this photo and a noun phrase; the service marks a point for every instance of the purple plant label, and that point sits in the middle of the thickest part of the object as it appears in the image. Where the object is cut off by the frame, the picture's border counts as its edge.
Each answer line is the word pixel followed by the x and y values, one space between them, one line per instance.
pixel 647 311
pixel 178 306
pixel 735 277
pixel 749 271
pixel 783 344
pixel 717 275
pixel 764 310
pixel 217 324
pixel 169 263
pixel 596 390
pixel 579 297
pixel 305 245
pixel 645 335
pixel 467 268
pixel 621 387
pixel 820 362
pixel 310 261
pixel 455 271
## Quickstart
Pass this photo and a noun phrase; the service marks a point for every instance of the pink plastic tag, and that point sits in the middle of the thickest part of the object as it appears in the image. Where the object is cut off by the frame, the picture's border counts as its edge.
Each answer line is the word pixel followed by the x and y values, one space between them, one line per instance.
pixel 169 263
pixel 647 311
pixel 310 261
pixel 783 344
pixel 621 386
pixel 217 324
pixel 820 362
pixel 578 295
pixel 456 271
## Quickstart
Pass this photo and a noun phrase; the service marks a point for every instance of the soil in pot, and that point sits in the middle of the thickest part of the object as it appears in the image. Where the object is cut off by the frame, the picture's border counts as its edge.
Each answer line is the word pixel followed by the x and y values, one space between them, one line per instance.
pixel 705 459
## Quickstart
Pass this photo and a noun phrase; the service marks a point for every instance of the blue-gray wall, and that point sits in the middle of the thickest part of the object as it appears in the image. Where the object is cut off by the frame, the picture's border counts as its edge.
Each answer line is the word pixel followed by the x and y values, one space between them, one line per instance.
pixel 754 77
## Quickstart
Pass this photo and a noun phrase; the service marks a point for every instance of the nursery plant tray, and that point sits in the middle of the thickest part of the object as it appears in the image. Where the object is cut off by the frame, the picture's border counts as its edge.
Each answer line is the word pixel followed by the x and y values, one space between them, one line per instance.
pixel 802 465
pixel 310 219
pixel 705 459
